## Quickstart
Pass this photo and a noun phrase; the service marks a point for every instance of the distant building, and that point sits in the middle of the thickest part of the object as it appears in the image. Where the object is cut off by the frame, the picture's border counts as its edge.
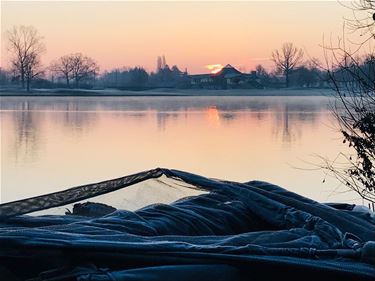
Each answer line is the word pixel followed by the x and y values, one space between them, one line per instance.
pixel 227 78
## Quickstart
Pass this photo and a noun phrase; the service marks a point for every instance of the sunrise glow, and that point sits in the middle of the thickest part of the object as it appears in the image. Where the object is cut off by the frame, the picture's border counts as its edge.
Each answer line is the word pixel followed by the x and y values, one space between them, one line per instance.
pixel 120 34
pixel 213 115
pixel 214 68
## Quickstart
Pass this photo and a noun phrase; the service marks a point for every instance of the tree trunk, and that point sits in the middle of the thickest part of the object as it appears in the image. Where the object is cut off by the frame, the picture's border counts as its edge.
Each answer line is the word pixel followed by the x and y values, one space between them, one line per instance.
pixel 23 79
pixel 287 79
pixel 28 84
pixel 67 82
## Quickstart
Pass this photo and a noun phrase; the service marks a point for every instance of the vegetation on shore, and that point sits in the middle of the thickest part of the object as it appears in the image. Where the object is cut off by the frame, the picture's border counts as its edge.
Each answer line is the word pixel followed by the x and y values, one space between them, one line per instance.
pixel 79 71
pixel 353 79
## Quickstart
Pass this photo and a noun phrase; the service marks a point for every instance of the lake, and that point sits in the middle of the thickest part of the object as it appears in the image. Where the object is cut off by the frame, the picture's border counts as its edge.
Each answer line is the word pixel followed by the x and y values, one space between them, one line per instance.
pixel 52 143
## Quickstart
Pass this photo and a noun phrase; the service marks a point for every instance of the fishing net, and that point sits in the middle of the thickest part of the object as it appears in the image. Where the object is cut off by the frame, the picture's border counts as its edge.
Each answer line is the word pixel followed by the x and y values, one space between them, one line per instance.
pixel 129 193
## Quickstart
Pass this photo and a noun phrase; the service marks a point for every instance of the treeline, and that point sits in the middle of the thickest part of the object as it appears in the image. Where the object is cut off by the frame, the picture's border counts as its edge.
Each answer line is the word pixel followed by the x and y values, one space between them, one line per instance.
pixel 307 75
pixel 76 70
pixel 139 78
pixel 80 71
pixel 86 77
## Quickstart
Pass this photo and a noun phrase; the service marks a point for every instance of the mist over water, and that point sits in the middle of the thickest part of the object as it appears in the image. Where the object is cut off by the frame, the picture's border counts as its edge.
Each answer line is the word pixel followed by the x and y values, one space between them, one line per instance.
pixel 52 143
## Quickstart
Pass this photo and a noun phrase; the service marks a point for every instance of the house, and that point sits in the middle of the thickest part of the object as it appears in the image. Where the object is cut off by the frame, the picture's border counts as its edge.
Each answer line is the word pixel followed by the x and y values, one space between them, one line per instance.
pixel 227 78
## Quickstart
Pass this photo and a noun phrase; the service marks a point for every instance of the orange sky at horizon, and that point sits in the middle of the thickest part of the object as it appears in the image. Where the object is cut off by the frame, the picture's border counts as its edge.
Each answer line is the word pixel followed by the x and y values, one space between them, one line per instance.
pixel 191 35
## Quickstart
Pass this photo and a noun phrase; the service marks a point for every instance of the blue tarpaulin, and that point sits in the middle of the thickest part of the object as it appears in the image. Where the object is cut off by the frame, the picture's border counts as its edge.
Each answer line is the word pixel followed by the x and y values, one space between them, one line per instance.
pixel 232 231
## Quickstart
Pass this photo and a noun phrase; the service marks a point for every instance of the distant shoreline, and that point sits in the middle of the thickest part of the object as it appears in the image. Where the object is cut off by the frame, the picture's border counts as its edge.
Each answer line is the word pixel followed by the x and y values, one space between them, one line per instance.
pixel 165 92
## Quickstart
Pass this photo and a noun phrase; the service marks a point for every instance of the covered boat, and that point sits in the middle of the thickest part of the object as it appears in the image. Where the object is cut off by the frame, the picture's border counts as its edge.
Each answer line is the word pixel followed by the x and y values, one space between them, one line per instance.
pixel 208 230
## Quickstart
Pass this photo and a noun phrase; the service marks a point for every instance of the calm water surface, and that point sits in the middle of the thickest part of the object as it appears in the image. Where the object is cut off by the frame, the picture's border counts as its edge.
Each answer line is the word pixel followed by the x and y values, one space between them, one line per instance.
pixel 52 143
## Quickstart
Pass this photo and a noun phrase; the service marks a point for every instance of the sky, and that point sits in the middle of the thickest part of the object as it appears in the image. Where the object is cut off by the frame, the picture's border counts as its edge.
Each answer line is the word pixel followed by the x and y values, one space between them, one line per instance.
pixel 190 34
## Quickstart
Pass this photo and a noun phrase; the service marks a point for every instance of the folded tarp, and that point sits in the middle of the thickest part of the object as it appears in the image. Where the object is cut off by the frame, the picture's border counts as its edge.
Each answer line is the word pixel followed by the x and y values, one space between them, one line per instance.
pixel 233 231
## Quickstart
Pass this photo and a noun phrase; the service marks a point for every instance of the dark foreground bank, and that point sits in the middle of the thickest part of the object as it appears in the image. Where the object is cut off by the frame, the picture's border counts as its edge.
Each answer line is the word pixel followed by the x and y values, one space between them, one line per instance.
pixel 232 231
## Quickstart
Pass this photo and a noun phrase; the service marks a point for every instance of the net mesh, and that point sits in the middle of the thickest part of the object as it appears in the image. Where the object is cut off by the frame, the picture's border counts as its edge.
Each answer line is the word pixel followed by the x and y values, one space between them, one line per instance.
pixel 79 193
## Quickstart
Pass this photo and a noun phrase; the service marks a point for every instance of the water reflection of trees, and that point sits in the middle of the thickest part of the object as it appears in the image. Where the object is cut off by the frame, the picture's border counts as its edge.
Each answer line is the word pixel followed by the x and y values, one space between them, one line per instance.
pixel 169 104
pixel 288 122
pixel 76 119
pixel 26 132
pixel 162 119
pixel 77 115
pixel 28 118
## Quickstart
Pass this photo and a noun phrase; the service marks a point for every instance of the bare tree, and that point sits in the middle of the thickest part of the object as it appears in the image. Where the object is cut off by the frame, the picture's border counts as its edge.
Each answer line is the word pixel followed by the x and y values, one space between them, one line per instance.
pixel 63 67
pixel 25 46
pixel 83 68
pixel 351 71
pixel 287 59
pixel 263 75
pixel 33 69
pixel 363 19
